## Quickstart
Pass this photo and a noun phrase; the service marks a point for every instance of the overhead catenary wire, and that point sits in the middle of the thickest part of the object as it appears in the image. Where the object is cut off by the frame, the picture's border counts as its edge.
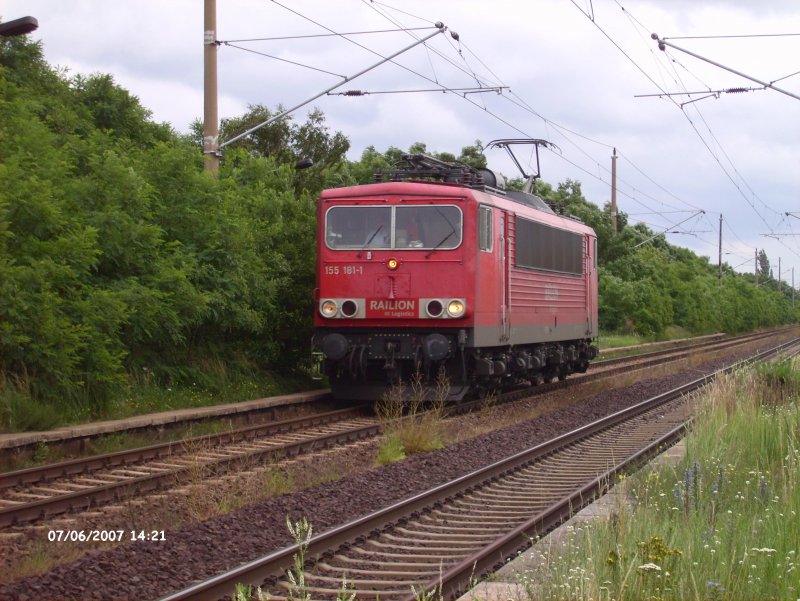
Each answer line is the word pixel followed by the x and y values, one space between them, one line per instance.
pixel 522 104
pixel 497 90
pixel 514 99
pixel 441 29
pixel 725 171
pixel 525 106
pixel 730 162
pixel 284 60
pixel 744 182
pixel 693 125
pixel 731 36
pixel 663 43
pixel 322 35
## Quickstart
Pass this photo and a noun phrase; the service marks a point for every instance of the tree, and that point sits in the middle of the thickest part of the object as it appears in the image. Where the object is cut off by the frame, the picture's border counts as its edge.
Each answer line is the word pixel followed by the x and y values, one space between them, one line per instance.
pixel 763 266
pixel 117 251
pixel 286 142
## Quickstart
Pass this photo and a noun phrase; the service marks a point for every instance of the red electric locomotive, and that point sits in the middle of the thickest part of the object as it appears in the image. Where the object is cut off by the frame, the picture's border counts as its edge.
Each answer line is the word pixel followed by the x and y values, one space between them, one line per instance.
pixel 439 269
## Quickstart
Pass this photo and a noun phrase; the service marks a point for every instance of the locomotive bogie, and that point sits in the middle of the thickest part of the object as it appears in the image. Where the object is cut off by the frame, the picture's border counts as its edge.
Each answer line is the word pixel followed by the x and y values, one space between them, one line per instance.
pixel 364 363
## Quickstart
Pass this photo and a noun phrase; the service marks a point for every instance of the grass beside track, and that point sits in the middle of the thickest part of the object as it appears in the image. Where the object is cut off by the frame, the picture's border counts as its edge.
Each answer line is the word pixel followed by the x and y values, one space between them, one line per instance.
pixel 722 524
pixel 610 340
pixel 19 412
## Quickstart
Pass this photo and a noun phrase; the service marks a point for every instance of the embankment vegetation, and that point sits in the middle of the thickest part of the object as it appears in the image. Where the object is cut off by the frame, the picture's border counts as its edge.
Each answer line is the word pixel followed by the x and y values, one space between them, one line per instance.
pixel 721 524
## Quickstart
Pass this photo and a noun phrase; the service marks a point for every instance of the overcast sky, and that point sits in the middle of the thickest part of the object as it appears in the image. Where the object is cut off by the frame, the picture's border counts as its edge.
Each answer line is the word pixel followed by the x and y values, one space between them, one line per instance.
pixel 569 71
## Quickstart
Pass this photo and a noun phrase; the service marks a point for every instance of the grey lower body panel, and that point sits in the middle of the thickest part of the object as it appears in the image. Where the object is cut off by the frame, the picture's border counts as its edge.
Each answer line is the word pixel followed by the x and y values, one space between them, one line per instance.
pixel 483 336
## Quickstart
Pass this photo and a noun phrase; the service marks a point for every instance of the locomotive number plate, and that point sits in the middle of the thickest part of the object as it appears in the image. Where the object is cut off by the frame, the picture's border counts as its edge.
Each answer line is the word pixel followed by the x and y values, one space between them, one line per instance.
pixel 344 270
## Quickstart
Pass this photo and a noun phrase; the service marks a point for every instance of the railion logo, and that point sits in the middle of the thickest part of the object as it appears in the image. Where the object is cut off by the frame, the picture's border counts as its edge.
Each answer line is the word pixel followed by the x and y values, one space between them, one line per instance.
pixel 393 305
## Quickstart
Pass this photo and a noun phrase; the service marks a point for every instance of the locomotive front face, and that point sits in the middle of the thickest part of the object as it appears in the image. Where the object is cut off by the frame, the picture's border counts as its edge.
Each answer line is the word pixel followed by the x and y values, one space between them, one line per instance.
pixel 417 278
pixel 392 297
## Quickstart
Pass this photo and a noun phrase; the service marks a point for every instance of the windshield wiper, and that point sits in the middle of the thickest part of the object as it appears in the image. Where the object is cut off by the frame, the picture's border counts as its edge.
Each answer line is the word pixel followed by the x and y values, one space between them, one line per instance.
pixel 447 237
pixel 442 241
pixel 370 239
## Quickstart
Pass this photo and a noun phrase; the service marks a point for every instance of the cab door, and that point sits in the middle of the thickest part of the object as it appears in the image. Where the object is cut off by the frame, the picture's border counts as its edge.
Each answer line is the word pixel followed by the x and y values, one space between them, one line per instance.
pixel 503 276
pixel 491 318
pixel 590 282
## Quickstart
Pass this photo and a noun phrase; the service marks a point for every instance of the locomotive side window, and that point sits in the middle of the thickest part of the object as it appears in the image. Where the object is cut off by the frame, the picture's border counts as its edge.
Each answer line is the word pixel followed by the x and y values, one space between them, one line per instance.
pixel 423 227
pixel 485 236
pixel 540 246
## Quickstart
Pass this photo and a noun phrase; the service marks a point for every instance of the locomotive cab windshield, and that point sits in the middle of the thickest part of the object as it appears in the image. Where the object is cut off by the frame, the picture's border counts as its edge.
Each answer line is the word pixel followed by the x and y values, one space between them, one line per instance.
pixel 410 227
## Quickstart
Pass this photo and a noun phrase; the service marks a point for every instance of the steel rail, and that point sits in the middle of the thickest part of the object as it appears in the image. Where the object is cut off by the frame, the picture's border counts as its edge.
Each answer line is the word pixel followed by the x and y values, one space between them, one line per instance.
pixel 70 439
pixel 113 491
pixel 273 565
pixel 685 349
pixel 86 465
pixel 237 416
pixel 611 367
pixel 456 580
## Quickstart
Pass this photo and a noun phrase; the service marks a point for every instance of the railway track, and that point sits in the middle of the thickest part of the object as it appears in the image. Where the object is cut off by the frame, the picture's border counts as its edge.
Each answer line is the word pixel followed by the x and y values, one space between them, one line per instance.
pixel 36 493
pixel 610 368
pixel 31 494
pixel 163 426
pixel 652 358
pixel 441 539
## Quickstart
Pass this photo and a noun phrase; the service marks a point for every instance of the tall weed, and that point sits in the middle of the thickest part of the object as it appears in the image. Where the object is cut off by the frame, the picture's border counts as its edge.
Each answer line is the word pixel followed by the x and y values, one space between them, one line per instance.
pixel 722 524
pixel 412 418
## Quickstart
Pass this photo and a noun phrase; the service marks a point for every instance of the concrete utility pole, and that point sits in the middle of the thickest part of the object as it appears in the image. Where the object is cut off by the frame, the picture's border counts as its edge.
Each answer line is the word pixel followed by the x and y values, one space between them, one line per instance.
pixel 614 193
pixel 210 115
pixel 756 267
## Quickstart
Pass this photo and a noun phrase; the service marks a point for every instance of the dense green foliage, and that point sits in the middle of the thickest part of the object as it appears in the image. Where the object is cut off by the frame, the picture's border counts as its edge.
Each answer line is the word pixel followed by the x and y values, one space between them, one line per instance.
pixel 120 256
pixel 644 289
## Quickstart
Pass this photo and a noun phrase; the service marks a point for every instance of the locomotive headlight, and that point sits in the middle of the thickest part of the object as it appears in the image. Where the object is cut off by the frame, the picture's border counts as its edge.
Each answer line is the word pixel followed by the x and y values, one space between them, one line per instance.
pixel 392 264
pixel 456 307
pixel 328 308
